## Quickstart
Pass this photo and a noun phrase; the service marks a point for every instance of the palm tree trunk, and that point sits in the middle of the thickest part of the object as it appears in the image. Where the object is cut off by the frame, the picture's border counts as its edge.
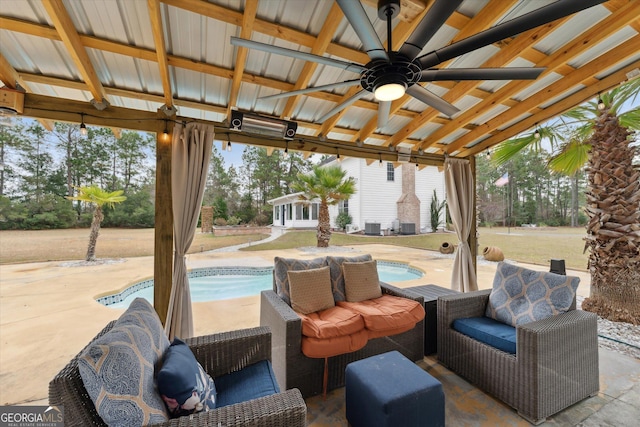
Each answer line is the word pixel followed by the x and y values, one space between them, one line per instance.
pixel 95 231
pixel 613 230
pixel 323 234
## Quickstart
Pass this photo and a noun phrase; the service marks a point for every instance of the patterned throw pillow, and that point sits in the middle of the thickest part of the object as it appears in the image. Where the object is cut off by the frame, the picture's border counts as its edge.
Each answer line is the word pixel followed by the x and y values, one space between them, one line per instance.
pixel 361 280
pixel 283 265
pixel 117 369
pixel 520 295
pixel 310 290
pixel 117 372
pixel 183 384
pixel 141 313
pixel 337 277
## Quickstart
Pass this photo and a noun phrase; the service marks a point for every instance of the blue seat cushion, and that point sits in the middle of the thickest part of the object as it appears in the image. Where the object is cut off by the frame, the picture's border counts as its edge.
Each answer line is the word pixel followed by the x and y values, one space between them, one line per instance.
pixel 251 382
pixel 488 331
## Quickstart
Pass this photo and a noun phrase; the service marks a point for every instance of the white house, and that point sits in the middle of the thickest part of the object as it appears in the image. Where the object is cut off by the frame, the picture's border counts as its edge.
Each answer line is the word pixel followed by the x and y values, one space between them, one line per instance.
pixel 389 197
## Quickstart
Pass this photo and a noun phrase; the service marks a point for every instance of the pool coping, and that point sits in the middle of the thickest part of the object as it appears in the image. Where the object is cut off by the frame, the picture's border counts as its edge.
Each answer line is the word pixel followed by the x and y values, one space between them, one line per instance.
pixel 110 298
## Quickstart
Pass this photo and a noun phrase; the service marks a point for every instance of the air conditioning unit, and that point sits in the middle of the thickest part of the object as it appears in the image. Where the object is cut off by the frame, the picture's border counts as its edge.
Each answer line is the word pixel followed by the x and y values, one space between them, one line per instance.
pixel 372 228
pixel 11 101
pixel 407 228
pixel 262 125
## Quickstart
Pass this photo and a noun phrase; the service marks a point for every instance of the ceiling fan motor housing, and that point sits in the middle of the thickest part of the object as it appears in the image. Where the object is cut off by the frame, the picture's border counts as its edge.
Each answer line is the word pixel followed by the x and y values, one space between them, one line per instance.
pixel 399 70
pixel 388 9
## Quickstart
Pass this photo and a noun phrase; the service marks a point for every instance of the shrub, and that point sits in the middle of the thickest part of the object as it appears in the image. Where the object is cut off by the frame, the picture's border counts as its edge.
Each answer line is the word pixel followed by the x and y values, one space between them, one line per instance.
pixel 220 222
pixel 342 220
pixel 436 211
pixel 233 220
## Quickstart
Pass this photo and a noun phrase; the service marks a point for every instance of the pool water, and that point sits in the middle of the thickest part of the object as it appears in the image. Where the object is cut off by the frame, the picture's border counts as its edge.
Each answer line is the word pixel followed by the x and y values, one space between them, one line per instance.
pixel 216 286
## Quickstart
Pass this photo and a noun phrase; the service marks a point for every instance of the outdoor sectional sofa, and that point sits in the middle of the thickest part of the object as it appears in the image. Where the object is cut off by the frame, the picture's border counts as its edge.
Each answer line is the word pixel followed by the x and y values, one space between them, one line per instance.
pixel 304 358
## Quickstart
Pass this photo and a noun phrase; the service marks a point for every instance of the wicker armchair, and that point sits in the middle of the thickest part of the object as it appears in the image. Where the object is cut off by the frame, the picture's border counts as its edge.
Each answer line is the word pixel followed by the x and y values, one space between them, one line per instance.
pixel 555 365
pixel 218 354
pixel 294 370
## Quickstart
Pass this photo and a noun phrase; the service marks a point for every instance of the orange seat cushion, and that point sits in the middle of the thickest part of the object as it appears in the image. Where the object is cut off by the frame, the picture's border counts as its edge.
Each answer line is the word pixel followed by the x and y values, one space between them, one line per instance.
pixel 387 313
pixel 331 323
pixel 329 347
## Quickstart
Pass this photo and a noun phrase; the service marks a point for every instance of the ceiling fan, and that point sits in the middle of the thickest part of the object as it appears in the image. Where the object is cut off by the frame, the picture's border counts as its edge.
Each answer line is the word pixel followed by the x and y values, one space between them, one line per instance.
pixel 390 74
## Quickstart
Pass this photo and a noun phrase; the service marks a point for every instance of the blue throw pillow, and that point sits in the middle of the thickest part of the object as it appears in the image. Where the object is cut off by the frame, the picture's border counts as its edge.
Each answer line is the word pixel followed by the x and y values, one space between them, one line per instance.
pixel 183 384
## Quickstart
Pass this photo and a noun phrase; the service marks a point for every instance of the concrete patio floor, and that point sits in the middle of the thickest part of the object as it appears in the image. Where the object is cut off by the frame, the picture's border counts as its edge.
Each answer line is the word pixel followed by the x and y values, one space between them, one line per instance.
pixel 48 313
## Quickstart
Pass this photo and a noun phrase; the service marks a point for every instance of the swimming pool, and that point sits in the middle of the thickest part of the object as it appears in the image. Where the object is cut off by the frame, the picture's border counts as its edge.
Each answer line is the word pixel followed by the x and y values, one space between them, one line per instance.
pixel 220 283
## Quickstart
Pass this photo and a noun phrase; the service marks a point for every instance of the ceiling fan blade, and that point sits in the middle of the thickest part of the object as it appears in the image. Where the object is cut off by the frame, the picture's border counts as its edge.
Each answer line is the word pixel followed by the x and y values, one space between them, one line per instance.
pixel 384 109
pixel 533 19
pixel 359 20
pixel 312 89
pixel 349 66
pixel 343 105
pixel 431 99
pixel 430 24
pixel 508 73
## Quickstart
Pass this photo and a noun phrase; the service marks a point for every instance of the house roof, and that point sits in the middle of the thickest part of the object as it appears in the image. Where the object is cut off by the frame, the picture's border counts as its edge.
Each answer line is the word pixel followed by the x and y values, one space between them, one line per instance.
pixel 143 55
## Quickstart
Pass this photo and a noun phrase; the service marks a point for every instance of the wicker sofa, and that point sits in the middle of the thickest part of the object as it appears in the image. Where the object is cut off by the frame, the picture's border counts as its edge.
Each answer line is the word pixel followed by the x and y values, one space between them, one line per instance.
pixel 218 354
pixel 295 370
pixel 554 366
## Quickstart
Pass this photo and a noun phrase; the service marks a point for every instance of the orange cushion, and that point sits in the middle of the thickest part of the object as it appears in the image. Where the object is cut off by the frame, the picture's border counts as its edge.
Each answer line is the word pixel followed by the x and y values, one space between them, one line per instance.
pixel 330 323
pixel 329 347
pixel 387 313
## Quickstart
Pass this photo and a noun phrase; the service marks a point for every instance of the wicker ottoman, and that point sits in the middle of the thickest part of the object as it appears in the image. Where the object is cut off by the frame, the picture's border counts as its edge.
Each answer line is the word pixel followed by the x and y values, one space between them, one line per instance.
pixel 389 390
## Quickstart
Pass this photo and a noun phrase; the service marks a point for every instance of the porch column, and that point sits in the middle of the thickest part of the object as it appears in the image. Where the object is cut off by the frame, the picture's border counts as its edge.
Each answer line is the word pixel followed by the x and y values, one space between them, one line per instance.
pixel 163 243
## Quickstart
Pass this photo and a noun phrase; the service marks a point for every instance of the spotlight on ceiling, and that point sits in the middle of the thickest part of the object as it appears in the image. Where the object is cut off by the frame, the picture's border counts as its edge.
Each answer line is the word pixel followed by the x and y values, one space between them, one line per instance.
pixel 262 125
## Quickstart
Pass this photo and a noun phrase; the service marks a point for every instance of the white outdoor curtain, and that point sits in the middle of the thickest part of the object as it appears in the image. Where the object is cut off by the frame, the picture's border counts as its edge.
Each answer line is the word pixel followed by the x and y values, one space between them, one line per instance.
pixel 460 193
pixel 191 150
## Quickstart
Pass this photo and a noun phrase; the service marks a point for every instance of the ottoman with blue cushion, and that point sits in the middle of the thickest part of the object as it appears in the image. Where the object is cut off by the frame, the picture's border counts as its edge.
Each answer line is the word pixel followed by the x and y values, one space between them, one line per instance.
pixel 390 390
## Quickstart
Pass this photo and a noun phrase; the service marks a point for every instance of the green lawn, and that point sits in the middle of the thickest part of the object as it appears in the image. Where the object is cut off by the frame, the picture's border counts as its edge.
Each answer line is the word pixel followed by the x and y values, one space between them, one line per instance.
pixel 531 245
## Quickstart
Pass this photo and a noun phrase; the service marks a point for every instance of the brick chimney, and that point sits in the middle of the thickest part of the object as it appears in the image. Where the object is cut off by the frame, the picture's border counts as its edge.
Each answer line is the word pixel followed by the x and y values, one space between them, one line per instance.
pixel 409 204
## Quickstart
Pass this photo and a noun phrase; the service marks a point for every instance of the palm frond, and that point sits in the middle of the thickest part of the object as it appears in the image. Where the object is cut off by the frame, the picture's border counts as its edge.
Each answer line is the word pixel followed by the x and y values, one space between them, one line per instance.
pixel 571 158
pixel 631 119
pixel 508 149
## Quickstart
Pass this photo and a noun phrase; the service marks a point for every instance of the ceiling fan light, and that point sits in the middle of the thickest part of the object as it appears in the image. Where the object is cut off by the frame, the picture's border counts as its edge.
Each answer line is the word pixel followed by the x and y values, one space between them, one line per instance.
pixel 389 91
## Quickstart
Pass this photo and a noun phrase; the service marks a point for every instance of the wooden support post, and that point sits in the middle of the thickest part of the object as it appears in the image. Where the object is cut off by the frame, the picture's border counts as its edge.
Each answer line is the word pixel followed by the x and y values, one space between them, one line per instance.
pixel 163 249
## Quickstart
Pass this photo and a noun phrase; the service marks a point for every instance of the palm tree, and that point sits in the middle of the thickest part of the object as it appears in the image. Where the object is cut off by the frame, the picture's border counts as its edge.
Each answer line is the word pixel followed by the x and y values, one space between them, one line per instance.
pixel 328 184
pixel 99 198
pixel 599 135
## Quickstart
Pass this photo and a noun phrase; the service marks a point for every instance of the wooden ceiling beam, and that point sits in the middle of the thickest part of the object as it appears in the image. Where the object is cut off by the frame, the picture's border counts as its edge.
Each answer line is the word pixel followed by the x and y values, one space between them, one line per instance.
pixel 126 93
pixel 155 15
pixel 12 79
pixel 69 111
pixel 558 59
pixel 69 35
pixel 319 47
pixel 531 104
pixel 577 98
pixel 248 18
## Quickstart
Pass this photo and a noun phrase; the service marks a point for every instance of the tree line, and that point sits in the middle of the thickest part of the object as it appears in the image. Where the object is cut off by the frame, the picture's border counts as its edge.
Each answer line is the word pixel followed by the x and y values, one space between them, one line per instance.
pixel 40 170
